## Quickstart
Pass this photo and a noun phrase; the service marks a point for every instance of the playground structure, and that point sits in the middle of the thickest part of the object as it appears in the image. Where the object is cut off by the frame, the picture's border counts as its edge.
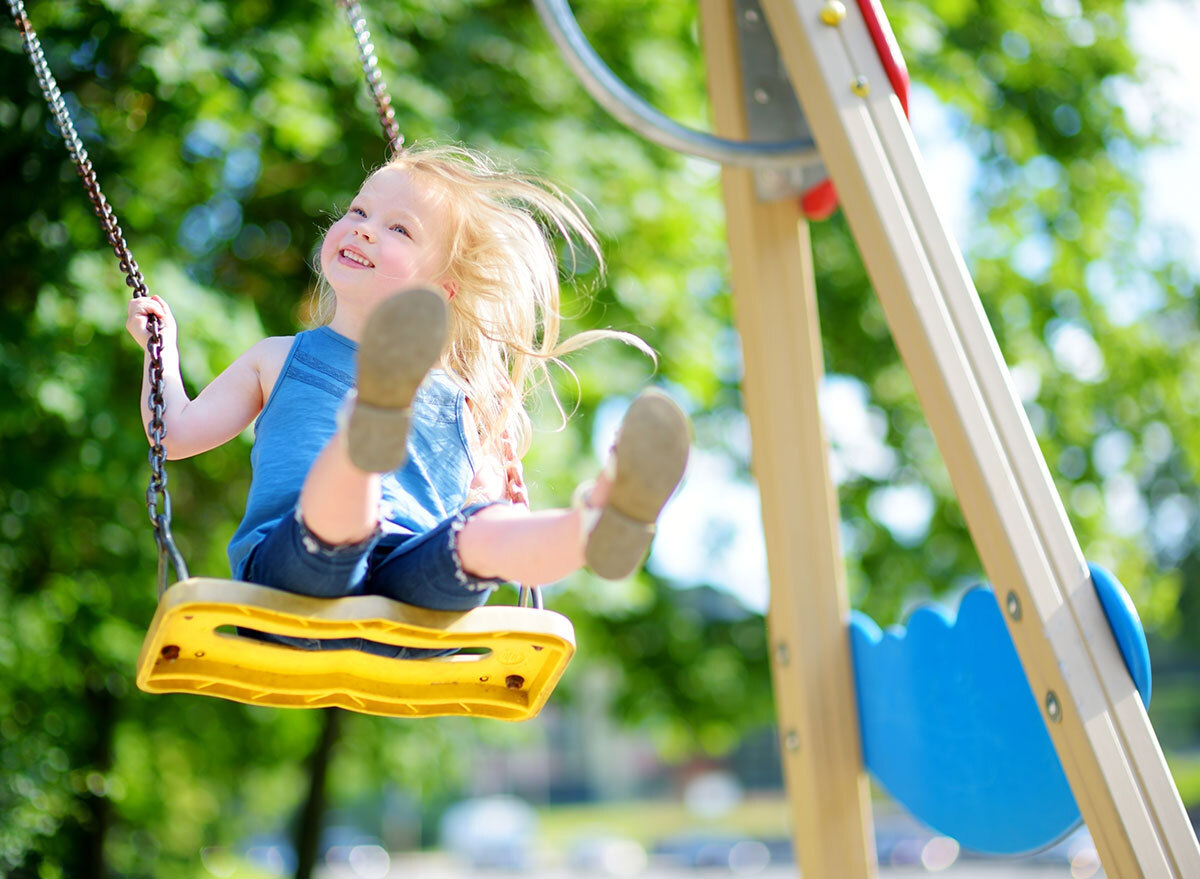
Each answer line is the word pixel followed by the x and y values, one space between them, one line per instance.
pixel 1075 670
pixel 828 73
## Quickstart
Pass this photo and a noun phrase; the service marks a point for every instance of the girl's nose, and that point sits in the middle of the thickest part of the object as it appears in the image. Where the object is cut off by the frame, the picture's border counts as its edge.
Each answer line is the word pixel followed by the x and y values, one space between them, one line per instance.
pixel 364 234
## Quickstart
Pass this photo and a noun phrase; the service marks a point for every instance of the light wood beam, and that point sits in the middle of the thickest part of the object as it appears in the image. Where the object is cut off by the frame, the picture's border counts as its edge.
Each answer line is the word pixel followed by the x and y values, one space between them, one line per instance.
pixel 776 315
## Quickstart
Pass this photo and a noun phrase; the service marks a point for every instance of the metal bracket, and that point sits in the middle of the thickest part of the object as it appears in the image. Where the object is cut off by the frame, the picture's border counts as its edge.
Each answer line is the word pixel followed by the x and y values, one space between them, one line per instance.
pixel 772 111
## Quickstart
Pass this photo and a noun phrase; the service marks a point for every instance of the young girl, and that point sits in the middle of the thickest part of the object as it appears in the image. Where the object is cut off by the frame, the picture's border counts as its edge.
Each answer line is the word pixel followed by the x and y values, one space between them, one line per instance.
pixel 387 446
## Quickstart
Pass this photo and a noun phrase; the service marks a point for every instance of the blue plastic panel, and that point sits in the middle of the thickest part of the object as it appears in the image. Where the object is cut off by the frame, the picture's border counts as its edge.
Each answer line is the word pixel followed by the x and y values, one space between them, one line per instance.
pixel 952 731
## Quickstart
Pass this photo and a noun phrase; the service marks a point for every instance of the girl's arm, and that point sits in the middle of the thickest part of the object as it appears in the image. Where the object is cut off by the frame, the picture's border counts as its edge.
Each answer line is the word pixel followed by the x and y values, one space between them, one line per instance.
pixel 220 412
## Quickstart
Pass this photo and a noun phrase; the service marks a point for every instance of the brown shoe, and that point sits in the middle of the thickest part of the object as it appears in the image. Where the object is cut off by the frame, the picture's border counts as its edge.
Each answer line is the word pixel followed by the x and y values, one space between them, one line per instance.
pixel 646 465
pixel 403 339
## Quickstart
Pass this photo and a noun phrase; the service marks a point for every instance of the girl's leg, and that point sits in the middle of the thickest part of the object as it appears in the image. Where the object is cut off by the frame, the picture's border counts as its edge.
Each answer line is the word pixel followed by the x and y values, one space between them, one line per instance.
pixel 611 530
pixel 339 503
pixel 510 543
pixel 456 564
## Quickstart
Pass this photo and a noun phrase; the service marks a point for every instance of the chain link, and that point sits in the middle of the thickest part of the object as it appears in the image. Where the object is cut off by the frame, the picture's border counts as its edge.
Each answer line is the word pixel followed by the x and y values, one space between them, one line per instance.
pixel 158 501
pixel 370 66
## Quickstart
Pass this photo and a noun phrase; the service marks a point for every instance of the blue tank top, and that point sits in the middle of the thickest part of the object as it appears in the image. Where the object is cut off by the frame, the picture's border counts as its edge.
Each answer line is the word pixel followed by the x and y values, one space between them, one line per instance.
pixel 301 416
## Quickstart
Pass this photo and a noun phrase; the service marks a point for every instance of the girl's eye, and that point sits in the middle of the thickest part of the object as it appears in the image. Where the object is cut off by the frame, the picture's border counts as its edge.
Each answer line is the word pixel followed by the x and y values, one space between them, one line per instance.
pixel 358 211
pixel 401 229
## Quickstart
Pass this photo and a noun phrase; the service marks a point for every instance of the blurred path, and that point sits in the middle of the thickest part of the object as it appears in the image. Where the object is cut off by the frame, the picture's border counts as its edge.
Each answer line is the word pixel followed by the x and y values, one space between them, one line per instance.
pixel 446 867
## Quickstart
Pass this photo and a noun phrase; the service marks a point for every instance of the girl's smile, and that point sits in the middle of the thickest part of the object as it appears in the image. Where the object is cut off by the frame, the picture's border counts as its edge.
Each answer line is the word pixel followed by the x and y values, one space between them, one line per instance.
pixel 392 235
pixel 354 258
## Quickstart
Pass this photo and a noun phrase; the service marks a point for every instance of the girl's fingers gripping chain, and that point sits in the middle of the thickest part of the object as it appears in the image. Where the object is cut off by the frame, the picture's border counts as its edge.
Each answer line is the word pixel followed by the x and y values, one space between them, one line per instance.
pixel 515 484
pixel 140 310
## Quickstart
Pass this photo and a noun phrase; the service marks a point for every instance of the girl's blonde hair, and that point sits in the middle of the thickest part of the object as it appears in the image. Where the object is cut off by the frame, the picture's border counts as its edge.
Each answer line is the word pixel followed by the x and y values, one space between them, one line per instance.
pixel 501 265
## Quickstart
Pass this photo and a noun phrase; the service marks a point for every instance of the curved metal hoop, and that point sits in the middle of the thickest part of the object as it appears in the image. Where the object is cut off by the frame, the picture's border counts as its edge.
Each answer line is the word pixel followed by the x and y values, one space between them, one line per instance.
pixel 628 108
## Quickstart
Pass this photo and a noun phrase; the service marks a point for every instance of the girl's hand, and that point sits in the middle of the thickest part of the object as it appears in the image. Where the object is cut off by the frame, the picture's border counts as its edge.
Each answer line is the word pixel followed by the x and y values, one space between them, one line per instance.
pixel 514 474
pixel 489 482
pixel 140 309
pixel 500 477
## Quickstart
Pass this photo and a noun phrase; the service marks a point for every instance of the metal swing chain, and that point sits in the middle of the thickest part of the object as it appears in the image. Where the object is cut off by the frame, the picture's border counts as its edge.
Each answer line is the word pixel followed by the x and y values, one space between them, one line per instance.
pixel 158 500
pixel 370 66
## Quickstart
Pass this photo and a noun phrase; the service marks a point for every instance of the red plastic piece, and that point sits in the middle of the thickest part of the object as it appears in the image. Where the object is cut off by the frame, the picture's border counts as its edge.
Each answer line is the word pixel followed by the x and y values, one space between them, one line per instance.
pixel 819 202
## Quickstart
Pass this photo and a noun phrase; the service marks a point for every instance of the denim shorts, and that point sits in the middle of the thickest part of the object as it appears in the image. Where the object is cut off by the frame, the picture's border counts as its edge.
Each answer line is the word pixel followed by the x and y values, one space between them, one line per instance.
pixel 419 569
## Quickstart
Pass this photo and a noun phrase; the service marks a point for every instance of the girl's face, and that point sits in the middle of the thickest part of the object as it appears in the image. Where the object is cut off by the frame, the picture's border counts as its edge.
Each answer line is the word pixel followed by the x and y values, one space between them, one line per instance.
pixel 393 235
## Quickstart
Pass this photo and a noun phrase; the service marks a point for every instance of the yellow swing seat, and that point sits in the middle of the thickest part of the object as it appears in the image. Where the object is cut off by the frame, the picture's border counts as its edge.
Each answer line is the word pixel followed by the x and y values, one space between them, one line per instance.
pixel 192 647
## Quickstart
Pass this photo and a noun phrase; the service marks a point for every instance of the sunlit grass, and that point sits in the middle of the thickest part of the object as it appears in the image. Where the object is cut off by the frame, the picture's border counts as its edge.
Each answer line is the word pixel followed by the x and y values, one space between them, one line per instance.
pixel 650 821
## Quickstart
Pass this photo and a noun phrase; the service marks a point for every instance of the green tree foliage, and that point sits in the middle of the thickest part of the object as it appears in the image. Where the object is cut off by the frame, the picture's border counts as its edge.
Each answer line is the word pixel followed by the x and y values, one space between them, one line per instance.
pixel 226 135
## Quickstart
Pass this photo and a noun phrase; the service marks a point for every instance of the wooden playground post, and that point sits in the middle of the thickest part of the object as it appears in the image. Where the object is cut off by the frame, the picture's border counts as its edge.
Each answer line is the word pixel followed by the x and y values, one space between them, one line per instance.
pixel 775 304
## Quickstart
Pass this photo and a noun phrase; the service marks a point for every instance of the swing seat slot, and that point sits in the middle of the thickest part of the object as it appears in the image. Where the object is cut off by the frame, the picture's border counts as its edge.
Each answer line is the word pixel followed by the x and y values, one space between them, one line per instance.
pixel 189 648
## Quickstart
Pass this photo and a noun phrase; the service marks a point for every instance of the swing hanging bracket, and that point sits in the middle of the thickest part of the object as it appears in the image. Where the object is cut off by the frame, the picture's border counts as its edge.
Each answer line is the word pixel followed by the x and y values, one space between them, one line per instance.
pixel 773 112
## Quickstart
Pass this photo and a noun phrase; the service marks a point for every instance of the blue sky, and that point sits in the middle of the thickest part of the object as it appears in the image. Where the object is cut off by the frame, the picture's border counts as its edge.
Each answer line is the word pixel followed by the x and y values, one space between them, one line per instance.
pixel 711 531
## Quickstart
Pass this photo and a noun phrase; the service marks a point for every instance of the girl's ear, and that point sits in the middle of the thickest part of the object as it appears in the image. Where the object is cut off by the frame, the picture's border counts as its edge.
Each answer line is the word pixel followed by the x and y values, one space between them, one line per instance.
pixel 451 288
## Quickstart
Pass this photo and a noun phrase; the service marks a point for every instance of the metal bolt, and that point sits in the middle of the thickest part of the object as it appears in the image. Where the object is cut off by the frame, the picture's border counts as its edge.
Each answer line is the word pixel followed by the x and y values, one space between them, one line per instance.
pixel 860 86
pixel 833 13
pixel 514 682
pixel 781 653
pixel 171 652
pixel 1014 606
pixel 1053 710
pixel 752 16
pixel 761 95
pixel 792 740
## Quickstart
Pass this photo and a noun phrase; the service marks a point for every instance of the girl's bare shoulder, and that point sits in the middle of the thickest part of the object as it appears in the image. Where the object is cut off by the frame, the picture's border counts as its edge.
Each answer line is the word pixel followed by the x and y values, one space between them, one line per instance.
pixel 269 355
pixel 273 348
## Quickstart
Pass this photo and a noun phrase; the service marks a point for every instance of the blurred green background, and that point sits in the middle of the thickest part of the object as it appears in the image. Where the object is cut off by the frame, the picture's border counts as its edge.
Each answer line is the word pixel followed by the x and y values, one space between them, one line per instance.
pixel 226 135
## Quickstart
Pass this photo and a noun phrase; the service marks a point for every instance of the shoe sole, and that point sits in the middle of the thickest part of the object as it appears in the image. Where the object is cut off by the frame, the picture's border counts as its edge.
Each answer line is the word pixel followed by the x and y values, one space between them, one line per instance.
pixel 403 339
pixel 651 453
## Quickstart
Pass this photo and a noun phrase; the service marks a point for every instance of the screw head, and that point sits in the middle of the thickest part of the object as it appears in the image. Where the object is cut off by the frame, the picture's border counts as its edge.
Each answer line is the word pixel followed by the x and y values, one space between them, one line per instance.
pixel 1013 604
pixel 781 653
pixel 761 95
pixel 1053 709
pixel 833 13
pixel 860 86
pixel 752 16
pixel 791 741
